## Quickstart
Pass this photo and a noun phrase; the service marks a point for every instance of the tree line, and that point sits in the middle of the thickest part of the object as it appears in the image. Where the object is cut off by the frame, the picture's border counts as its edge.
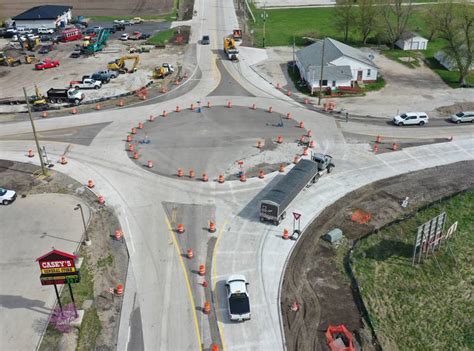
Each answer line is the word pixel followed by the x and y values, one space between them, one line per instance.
pixel 388 20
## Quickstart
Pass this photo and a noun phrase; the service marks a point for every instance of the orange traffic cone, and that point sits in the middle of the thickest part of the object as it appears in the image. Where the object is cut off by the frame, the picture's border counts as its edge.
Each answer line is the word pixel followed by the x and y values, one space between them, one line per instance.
pixel 279 139
pixel 243 178
pixel 189 253
pixel 301 125
pixel 118 234
pixel 212 227
pixel 296 160
pixel 202 270
pixel 150 164
pixel 191 173
pixel 63 160
pixel 281 168
pixel 221 179
pixel 270 109
pixel 30 153
pixel 180 172
pixel 90 184
pixel 288 115
pixel 101 199
pixel 261 174
pixel 205 178
pixel 285 234
pixel 207 308
pixel 180 228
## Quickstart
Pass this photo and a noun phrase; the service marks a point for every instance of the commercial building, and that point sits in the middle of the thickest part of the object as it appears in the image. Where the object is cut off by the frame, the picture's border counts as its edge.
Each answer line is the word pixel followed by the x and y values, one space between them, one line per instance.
pixel 46 16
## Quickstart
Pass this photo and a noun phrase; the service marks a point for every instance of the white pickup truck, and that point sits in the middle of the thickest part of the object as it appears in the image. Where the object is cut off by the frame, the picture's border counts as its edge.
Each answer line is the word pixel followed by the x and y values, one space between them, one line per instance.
pixel 86 83
pixel 238 298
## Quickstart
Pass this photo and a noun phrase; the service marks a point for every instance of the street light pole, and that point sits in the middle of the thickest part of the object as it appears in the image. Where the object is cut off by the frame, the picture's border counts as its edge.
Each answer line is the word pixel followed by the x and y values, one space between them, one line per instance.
pixel 87 241
pixel 321 77
pixel 34 132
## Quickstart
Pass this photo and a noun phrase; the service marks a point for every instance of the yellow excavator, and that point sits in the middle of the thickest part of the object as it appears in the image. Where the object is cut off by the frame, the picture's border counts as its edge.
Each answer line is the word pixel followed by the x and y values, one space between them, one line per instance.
pixel 8 60
pixel 119 64
pixel 38 101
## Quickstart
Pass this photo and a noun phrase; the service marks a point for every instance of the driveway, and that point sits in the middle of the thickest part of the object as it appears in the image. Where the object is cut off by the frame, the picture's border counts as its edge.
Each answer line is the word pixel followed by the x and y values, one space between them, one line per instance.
pixel 406 89
pixel 31 227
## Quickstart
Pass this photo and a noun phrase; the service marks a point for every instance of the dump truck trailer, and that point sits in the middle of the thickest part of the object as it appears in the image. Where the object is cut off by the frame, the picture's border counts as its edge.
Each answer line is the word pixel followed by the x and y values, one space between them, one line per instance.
pixel 307 172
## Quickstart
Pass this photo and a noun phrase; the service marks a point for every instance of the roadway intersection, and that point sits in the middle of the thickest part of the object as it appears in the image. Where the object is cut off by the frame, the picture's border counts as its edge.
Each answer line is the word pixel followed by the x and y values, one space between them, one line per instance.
pixel 164 295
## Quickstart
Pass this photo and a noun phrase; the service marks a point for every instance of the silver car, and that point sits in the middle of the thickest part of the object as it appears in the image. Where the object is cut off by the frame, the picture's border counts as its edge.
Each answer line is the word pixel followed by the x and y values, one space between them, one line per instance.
pixel 460 117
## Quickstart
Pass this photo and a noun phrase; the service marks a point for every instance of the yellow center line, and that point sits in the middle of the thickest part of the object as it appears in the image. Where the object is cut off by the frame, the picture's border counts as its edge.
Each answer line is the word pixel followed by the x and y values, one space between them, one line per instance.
pixel 214 281
pixel 188 285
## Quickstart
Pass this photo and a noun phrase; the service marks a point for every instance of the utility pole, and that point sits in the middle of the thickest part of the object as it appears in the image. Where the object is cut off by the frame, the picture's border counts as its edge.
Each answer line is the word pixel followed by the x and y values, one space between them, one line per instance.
pixel 264 16
pixel 34 132
pixel 87 241
pixel 321 77
pixel 294 60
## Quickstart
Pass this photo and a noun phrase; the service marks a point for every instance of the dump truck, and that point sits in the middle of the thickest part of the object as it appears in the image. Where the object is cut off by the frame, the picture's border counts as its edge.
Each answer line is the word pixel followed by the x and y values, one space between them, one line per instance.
pixel 307 172
pixel 119 64
pixel 231 49
pixel 71 95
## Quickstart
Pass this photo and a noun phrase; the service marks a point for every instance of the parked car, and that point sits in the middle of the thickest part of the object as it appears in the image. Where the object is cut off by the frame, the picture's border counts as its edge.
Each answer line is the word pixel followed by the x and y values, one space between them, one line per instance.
pixel 112 30
pixel 45 49
pixel 91 32
pixel 125 36
pixel 107 73
pixel 206 40
pixel 460 117
pixel 119 26
pixel 411 118
pixel 135 36
pixel 238 298
pixel 136 20
pixel 76 53
pixel 46 64
pixel 23 30
pixel 45 30
pixel 85 83
pixel 7 196
pixel 144 36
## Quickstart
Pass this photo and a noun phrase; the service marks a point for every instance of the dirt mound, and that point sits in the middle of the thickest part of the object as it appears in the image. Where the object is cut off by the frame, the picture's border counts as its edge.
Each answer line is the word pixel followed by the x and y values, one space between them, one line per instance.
pixel 455 108
pixel 316 280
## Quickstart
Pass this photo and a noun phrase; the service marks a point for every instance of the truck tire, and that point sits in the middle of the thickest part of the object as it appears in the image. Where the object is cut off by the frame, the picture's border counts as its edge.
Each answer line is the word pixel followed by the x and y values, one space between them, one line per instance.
pixel 76 87
pixel 77 101
pixel 97 87
pixel 316 178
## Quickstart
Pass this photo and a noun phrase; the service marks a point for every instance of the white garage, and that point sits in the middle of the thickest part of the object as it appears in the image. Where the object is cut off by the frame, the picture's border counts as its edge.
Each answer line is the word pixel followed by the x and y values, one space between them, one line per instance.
pixel 412 41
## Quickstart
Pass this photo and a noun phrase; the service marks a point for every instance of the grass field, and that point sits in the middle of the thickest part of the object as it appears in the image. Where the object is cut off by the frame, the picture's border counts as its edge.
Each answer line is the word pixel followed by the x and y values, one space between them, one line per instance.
pixel 428 307
pixel 161 38
pixel 282 25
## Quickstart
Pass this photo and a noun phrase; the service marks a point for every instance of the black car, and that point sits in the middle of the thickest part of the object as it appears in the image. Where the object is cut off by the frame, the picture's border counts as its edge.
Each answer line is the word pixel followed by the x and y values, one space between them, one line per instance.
pixel 144 36
pixel 206 40
pixel 112 30
pixel 119 26
pixel 45 49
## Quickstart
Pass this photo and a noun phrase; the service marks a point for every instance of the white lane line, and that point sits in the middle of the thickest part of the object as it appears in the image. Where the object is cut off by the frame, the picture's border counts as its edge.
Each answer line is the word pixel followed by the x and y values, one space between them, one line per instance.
pixel 129 232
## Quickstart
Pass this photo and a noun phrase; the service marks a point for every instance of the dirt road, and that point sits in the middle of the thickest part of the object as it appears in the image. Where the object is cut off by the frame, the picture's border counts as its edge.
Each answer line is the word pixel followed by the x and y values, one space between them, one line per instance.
pixel 315 280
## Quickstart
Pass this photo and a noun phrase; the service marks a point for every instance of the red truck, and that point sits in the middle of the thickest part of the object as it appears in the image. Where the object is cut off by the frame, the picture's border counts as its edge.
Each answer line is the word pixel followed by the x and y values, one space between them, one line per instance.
pixel 71 34
pixel 48 63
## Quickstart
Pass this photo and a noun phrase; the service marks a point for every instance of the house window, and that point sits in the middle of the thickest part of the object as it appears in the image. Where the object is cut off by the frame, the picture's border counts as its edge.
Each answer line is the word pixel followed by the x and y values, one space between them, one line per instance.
pixel 333 83
pixel 368 72
pixel 325 82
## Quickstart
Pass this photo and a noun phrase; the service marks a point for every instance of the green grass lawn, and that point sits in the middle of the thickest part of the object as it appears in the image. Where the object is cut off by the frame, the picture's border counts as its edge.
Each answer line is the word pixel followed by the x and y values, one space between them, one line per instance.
pixel 161 38
pixel 429 306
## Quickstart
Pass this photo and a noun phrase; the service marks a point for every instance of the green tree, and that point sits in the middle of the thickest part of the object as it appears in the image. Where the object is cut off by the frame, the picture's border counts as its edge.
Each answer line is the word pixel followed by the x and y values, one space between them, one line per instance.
pixel 366 19
pixel 455 24
pixel 344 16
pixel 395 16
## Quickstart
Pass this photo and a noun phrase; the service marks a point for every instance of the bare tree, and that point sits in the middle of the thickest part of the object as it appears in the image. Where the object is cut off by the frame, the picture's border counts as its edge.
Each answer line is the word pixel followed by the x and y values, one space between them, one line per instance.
pixel 395 15
pixel 430 16
pixel 456 26
pixel 366 20
pixel 345 16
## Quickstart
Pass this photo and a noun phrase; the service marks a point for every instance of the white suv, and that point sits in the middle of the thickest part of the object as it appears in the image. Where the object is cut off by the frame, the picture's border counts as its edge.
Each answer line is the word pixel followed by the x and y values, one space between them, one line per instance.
pixel 462 117
pixel 410 118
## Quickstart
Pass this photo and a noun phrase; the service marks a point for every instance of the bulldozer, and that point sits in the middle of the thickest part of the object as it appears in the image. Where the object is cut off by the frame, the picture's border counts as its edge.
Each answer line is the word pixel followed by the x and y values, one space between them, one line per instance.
pixel 119 64
pixel 31 59
pixel 8 60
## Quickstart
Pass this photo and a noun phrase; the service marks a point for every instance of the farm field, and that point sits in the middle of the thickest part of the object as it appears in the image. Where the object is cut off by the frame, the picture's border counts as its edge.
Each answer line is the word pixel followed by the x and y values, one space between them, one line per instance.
pixel 430 304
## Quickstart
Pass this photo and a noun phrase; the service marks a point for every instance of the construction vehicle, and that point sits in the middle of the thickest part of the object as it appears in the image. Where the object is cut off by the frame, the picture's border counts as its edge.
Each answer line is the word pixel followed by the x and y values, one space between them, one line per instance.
pixel 38 101
pixel 8 60
pixel 161 72
pixel 231 49
pixel 140 50
pixel 99 42
pixel 31 59
pixel 307 172
pixel 31 43
pixel 237 34
pixel 119 64
pixel 65 95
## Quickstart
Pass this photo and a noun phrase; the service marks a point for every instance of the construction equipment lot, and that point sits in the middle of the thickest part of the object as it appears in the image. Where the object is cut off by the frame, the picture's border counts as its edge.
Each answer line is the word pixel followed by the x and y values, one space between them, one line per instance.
pixel 70 68
pixel 315 276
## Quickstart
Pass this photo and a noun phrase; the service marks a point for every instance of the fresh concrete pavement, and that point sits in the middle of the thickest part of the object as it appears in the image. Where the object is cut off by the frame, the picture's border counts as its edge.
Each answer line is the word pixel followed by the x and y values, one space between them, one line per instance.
pixel 30 227
pixel 157 290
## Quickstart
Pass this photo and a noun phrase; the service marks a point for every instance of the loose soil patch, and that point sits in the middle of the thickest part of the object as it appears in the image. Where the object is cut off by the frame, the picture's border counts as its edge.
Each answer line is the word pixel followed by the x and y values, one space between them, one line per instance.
pixel 315 276
pixel 105 261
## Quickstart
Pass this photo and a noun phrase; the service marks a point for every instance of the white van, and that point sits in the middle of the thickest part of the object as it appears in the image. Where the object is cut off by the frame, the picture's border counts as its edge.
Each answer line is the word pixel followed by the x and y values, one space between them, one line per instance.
pixel 45 30
pixel 411 118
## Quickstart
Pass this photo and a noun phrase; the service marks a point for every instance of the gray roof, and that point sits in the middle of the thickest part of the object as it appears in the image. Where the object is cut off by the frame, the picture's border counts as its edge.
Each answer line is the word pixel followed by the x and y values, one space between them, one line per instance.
pixel 337 73
pixel 43 12
pixel 409 35
pixel 333 49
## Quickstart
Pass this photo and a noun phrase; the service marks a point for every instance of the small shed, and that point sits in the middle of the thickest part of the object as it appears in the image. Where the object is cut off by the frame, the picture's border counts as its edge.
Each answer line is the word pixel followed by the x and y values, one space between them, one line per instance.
pixel 412 41
pixel 334 236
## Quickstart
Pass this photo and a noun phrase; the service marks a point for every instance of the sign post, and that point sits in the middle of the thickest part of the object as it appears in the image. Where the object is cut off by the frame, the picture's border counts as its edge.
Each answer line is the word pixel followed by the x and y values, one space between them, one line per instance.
pixel 59 267
pixel 296 219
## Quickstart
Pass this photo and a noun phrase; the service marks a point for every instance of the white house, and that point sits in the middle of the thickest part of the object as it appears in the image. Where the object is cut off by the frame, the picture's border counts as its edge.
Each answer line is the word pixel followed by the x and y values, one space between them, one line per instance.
pixel 342 65
pixel 46 16
pixel 412 41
